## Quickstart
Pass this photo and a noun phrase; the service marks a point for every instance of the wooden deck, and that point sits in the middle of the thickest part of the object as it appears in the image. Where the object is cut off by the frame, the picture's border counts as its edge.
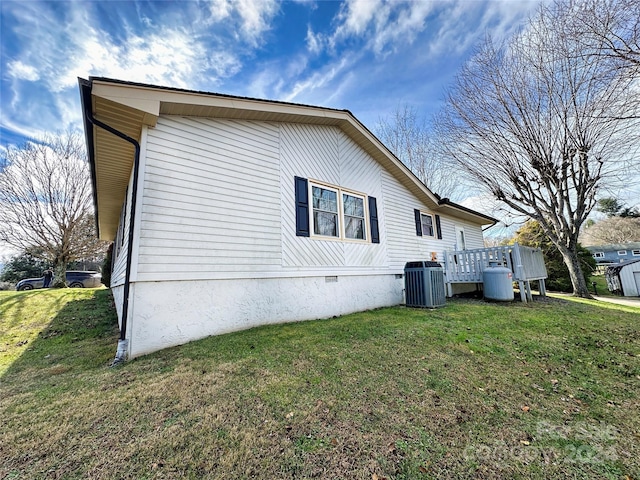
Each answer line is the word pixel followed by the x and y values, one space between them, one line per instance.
pixel 467 266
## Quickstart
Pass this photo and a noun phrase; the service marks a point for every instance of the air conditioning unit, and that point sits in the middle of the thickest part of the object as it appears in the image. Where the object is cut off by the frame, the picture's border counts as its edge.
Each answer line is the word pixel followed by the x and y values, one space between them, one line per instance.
pixel 424 284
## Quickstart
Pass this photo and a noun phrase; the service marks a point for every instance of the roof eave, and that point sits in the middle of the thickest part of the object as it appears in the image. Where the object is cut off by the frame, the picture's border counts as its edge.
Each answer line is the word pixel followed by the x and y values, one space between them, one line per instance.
pixel 85 101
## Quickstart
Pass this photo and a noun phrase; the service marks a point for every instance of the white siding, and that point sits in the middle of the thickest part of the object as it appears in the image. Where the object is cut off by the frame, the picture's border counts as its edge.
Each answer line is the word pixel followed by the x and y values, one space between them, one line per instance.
pixel 403 243
pixel 628 275
pixel 211 199
pixel 121 243
pixel 218 202
pixel 327 155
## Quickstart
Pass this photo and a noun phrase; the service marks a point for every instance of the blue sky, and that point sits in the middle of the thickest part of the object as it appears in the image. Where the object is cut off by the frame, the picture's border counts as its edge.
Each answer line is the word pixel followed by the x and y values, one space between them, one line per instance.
pixel 365 56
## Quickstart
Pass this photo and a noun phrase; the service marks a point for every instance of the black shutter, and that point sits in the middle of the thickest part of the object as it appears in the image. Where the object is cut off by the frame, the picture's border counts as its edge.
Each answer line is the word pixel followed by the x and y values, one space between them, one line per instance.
pixel 373 220
pixel 302 207
pixel 418 223
pixel 438 228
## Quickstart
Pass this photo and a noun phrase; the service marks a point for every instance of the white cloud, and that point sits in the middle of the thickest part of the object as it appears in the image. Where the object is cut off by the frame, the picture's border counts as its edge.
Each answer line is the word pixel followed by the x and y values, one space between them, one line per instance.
pixel 20 71
pixel 464 24
pixel 383 24
pixel 253 16
pixel 315 42
pixel 356 15
pixel 53 54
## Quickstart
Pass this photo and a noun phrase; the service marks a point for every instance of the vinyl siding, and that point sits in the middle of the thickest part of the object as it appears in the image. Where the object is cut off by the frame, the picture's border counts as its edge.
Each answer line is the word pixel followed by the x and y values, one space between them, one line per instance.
pixel 326 155
pixel 402 242
pixel 218 202
pixel 628 281
pixel 121 242
pixel 211 199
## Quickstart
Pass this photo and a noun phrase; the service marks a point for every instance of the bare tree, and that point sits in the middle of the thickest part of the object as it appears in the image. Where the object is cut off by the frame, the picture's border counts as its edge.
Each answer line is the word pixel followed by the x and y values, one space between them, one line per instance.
pixel 610 28
pixel 408 137
pixel 46 201
pixel 542 123
pixel 612 230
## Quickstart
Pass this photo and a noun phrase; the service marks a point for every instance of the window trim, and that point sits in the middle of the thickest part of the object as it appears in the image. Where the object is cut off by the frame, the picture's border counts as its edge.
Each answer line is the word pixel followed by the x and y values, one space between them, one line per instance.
pixel 312 210
pixel 598 254
pixel 635 253
pixel 433 226
pixel 341 216
pixel 363 198
pixel 622 253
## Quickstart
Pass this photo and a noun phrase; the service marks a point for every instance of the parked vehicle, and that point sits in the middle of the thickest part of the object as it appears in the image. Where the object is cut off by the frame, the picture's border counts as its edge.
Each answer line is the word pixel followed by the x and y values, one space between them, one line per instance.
pixel 75 279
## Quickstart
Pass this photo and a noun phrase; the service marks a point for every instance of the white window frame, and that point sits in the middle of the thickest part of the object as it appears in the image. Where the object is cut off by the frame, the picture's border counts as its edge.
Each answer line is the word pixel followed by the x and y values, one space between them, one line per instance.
pixel 433 226
pixel 341 215
pixel 312 210
pixel 622 253
pixel 598 255
pixel 365 228
pixel 635 253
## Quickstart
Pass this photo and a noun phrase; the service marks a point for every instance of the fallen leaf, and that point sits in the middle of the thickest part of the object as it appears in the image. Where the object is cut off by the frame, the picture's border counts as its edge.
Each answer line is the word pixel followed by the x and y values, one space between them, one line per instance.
pixel 334 442
pixel 525 442
pixel 289 415
pixel 423 470
pixel 525 408
pixel 554 381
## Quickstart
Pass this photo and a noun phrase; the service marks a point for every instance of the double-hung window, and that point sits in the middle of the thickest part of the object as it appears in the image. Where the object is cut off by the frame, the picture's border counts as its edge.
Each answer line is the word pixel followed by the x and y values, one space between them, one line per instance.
pixel 427 224
pixel 354 217
pixel 325 211
pixel 338 213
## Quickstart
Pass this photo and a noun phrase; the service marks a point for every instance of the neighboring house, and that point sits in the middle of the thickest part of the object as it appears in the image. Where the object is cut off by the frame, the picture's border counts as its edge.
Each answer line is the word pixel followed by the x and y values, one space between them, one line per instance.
pixel 624 278
pixel 230 212
pixel 615 253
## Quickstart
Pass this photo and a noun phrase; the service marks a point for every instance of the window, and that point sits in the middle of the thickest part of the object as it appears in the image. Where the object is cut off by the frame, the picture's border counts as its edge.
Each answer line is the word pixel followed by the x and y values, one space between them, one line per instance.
pixel 325 211
pixel 427 224
pixel 339 213
pixel 354 223
pixel 622 253
pixel 636 253
pixel 598 255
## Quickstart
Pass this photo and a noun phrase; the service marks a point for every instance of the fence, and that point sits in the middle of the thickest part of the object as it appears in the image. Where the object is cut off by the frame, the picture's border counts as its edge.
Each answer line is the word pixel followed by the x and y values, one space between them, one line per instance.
pixel 526 263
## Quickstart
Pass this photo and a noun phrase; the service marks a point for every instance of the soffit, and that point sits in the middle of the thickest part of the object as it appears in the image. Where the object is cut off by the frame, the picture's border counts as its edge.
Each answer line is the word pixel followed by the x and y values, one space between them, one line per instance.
pixel 113 160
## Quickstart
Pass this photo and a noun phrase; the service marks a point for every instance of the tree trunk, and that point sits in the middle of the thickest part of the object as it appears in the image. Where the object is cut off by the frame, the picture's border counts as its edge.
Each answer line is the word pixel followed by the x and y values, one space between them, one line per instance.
pixel 572 261
pixel 59 275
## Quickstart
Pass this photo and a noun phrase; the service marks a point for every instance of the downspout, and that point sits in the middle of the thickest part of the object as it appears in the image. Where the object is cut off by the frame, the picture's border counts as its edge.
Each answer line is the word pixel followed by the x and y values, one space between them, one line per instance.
pixel 85 87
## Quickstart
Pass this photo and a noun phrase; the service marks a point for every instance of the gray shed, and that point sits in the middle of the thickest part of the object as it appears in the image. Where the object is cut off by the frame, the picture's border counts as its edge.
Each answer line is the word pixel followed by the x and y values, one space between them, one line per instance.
pixel 624 278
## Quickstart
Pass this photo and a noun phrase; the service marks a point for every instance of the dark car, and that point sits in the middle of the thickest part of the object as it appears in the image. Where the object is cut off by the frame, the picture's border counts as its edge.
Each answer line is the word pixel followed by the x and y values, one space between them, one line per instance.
pixel 75 279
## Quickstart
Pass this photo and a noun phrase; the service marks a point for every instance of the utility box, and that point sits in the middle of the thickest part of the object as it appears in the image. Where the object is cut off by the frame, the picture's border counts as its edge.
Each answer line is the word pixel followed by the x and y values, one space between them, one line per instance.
pixel 424 284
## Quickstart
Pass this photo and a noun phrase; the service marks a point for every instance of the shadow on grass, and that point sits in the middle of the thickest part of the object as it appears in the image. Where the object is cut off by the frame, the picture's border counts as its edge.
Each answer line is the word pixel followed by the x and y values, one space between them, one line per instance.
pixel 82 333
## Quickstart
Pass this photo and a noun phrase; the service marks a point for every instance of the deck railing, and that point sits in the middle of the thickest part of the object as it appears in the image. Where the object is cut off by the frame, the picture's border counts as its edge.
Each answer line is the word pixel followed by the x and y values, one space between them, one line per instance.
pixel 526 263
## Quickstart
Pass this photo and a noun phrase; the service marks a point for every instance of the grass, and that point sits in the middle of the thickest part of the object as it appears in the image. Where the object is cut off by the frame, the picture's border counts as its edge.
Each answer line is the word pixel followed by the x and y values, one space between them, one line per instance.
pixel 473 390
pixel 601 286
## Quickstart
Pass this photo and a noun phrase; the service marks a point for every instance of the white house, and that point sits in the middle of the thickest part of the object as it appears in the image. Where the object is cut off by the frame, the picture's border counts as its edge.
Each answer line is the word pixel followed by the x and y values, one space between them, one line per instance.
pixel 230 212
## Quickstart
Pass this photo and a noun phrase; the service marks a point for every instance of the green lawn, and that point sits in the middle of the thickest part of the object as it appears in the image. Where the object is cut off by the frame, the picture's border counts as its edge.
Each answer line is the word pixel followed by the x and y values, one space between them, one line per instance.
pixel 472 390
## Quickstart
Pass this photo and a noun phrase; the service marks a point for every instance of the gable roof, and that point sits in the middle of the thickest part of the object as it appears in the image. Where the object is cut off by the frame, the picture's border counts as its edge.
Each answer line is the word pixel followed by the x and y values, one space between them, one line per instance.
pixel 128 106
